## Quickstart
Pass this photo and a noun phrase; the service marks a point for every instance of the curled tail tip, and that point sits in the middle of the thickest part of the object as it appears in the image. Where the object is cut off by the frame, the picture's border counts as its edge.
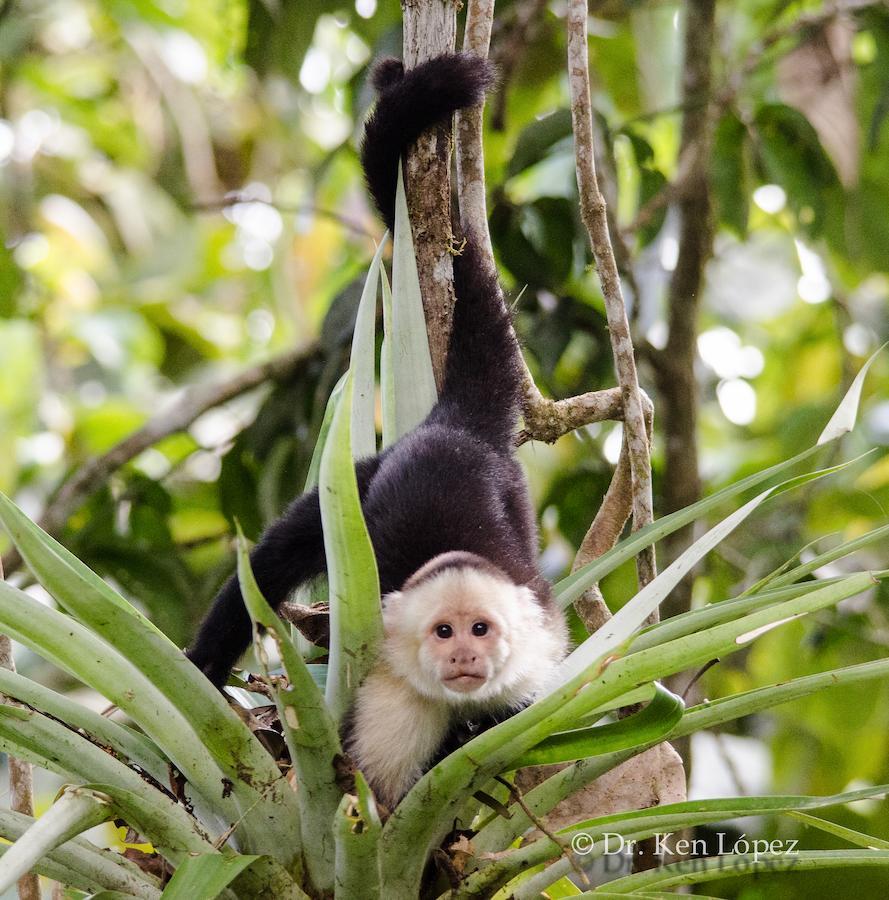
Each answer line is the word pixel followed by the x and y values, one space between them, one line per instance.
pixel 411 101
pixel 467 76
pixel 386 72
pixel 463 77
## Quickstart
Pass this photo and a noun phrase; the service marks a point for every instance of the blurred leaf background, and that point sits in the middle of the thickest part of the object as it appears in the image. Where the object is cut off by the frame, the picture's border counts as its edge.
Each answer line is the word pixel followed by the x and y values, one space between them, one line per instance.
pixel 180 198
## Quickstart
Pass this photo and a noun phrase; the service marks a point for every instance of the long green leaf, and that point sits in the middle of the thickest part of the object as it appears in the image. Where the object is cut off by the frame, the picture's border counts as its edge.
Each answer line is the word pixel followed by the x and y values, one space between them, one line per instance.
pixel 309 731
pixel 651 723
pixel 364 436
pixel 698 871
pixel 29 735
pixel 69 645
pixel 843 419
pixel 387 373
pixel 630 617
pixel 357 829
pixel 97 867
pixel 408 343
pixel 205 877
pixel 76 811
pixel 566 591
pixel 127 742
pixel 356 625
pixel 638 824
pixel 267 812
pixel 868 841
pixel 500 833
pixel 721 611
pixel 780 579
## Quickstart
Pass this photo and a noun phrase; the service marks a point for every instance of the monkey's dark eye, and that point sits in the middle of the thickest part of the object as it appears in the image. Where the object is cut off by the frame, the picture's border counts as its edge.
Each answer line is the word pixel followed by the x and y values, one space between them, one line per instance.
pixel 443 631
pixel 480 629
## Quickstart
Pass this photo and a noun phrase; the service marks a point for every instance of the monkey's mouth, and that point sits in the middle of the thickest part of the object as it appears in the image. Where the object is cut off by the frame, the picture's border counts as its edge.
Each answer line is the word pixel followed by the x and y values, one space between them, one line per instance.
pixel 464 682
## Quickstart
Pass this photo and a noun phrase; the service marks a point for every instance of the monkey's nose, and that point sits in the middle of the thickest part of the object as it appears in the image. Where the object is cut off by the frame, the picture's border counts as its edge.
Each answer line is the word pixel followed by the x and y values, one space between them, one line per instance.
pixel 463 658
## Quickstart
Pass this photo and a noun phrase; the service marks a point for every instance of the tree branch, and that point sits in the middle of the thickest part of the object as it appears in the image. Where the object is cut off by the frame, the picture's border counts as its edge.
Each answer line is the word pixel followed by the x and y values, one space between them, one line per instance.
pixel 191 405
pixel 430 28
pixel 594 214
pixel 545 419
pixel 606 528
pixel 469 133
pixel 675 374
pixel 21 780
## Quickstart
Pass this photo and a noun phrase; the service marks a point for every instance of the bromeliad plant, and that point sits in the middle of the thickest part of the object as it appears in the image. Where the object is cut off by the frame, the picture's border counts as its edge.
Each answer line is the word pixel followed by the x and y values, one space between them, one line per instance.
pixel 190 776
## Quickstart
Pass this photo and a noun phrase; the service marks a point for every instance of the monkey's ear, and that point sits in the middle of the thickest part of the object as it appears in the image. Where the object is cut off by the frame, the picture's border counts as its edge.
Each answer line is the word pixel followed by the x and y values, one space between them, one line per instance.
pixel 392 600
pixel 386 72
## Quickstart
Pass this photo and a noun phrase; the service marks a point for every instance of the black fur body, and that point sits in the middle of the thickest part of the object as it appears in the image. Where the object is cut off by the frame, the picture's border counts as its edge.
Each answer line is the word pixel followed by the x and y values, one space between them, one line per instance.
pixel 453 483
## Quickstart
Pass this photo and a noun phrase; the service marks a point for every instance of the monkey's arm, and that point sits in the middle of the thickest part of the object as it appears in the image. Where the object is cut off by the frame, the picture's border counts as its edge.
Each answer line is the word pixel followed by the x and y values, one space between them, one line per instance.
pixel 290 553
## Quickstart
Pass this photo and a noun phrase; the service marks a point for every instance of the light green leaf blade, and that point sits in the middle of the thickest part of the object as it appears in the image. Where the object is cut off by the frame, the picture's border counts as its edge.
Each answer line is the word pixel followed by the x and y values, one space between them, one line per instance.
pixel 132 744
pixel 332 401
pixel 364 435
pixel 408 354
pixel 356 624
pixel 654 721
pixel 261 825
pixel 566 591
pixel 743 865
pixel 309 730
pixel 387 375
pixel 206 876
pixel 843 419
pixel 569 589
pixel 76 811
pixel 97 867
pixel 624 623
pixel 791 575
pixel 868 841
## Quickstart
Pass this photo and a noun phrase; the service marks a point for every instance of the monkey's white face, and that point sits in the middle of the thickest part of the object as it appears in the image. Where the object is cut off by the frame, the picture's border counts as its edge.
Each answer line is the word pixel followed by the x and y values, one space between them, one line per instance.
pixel 464 636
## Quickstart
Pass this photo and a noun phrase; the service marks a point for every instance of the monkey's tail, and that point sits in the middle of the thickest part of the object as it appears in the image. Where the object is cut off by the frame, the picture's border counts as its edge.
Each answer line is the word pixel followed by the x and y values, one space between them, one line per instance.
pixel 409 103
pixel 483 373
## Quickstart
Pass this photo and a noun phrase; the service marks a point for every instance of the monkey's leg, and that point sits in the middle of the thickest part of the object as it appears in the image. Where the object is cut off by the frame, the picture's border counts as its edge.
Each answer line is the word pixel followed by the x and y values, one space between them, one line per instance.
pixel 290 553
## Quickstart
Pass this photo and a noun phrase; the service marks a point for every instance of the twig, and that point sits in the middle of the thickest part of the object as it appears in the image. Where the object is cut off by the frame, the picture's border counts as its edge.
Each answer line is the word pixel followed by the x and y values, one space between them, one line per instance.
pixel 194 403
pixel 675 373
pixel 594 215
pixel 547 420
pixel 469 143
pixel 516 796
pixel 606 528
pixel 234 198
pixel 544 419
pixel 21 780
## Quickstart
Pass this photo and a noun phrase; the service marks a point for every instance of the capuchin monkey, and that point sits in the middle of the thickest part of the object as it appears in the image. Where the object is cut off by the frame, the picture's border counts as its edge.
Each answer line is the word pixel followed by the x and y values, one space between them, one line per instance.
pixel 471 632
